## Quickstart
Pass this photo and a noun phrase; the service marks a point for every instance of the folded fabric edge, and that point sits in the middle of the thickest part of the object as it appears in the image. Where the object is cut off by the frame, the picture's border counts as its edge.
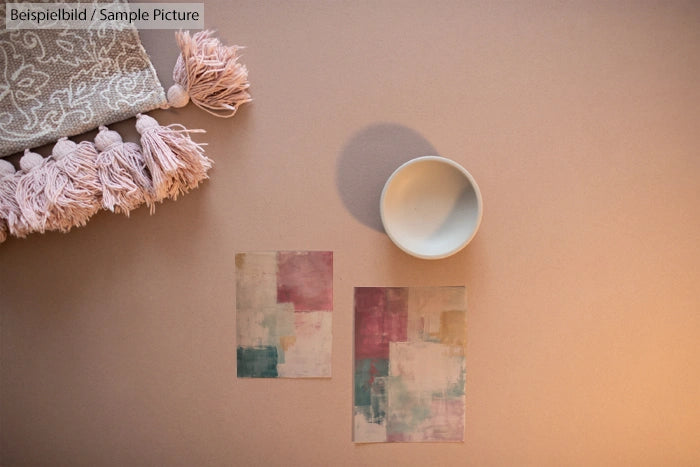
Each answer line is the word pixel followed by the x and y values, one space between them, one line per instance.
pixel 9 148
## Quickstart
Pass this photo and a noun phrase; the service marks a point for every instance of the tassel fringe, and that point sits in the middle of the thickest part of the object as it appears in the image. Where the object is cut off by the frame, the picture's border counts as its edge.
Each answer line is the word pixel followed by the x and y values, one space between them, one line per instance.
pixel 208 73
pixel 81 197
pixel 121 168
pixel 176 163
pixel 65 189
pixel 37 190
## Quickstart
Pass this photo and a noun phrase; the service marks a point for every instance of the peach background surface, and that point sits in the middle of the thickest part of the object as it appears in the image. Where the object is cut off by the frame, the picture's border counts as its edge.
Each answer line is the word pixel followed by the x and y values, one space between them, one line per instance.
pixel 579 120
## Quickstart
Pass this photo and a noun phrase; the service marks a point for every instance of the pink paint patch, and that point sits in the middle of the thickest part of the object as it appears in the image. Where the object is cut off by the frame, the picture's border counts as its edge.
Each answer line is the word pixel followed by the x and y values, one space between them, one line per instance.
pixel 381 316
pixel 447 421
pixel 305 278
pixel 396 316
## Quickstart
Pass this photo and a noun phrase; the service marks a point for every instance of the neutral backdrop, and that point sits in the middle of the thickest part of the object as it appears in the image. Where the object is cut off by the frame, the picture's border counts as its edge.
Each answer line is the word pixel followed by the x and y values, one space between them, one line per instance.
pixel 578 119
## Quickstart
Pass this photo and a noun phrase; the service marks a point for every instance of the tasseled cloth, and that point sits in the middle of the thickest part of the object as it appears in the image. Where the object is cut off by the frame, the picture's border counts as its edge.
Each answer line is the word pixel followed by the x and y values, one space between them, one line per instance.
pixel 64 190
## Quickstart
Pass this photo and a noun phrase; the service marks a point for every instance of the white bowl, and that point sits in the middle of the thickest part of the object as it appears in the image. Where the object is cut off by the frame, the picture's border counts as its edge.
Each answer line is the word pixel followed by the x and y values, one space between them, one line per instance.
pixel 431 207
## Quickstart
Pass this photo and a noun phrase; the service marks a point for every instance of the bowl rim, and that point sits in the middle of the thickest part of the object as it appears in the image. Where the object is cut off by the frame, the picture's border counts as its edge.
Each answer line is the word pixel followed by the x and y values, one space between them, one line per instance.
pixel 472 182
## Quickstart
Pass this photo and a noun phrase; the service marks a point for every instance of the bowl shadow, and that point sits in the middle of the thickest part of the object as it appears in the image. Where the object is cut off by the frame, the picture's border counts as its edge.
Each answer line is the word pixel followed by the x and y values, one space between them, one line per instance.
pixel 368 159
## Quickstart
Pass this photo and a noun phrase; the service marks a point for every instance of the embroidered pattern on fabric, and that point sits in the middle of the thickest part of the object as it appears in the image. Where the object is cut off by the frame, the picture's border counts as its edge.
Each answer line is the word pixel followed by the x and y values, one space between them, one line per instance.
pixel 56 83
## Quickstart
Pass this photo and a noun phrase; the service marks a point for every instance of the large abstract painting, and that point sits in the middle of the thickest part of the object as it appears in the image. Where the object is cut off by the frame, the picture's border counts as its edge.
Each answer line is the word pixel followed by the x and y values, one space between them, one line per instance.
pixel 284 302
pixel 410 373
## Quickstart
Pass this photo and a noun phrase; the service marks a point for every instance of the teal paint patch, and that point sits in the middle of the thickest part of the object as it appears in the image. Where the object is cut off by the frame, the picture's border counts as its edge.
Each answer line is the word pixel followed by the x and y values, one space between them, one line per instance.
pixel 419 413
pixel 257 362
pixel 378 399
pixel 366 371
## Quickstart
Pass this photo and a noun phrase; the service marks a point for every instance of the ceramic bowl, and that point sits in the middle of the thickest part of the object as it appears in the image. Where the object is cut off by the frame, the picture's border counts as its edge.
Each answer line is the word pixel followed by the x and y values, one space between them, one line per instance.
pixel 431 207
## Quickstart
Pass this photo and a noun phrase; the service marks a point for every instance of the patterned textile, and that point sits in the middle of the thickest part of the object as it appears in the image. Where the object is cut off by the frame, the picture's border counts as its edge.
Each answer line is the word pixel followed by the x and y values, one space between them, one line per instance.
pixel 56 83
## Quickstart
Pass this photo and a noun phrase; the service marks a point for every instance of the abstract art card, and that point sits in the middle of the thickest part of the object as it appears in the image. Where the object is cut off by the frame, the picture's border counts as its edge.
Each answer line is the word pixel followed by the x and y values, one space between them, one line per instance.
pixel 284 301
pixel 409 364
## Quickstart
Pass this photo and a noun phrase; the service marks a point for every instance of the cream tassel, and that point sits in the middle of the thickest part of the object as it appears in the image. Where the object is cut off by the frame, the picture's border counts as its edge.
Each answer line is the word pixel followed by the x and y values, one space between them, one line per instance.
pixel 10 212
pixel 63 191
pixel 208 73
pixel 18 224
pixel 176 163
pixel 37 188
pixel 5 171
pixel 8 204
pixel 81 197
pixel 122 172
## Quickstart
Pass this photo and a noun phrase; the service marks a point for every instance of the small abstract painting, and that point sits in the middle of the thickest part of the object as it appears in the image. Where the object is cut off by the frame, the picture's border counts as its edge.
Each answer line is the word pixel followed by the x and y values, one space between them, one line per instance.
pixel 409 364
pixel 284 301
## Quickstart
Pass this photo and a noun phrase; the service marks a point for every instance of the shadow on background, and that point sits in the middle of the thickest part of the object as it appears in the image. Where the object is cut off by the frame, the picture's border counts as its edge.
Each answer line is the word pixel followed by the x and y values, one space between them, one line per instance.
pixel 368 159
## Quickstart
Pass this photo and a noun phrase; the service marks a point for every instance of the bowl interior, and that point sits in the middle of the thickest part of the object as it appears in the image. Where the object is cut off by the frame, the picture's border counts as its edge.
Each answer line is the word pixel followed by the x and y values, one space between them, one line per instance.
pixel 431 207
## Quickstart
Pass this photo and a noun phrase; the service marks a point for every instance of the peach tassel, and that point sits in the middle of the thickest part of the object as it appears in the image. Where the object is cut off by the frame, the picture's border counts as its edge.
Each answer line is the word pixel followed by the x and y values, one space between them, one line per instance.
pixel 208 73
pixel 63 191
pixel 37 188
pixel 3 222
pixel 11 220
pixel 122 172
pixel 18 224
pixel 176 163
pixel 81 198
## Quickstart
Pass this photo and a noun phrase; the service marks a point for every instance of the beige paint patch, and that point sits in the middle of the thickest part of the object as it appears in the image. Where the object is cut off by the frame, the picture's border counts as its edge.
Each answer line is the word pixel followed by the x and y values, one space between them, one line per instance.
pixel 256 280
pixel 287 341
pixel 453 328
pixel 425 307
